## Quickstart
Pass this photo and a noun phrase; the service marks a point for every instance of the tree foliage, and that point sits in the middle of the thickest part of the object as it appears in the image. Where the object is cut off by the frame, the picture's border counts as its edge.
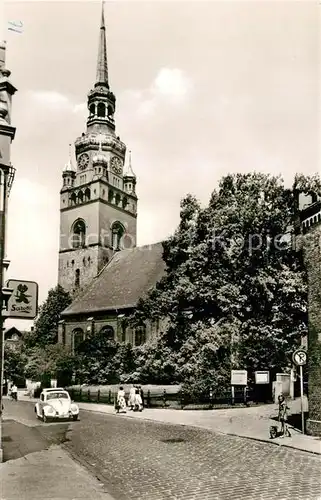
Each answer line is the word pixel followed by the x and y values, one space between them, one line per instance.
pixel 14 364
pixel 234 282
pixel 46 324
pixel 100 360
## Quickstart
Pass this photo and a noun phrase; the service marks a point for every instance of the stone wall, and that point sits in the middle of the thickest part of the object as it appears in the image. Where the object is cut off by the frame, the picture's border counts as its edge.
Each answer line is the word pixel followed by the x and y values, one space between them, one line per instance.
pixel 312 259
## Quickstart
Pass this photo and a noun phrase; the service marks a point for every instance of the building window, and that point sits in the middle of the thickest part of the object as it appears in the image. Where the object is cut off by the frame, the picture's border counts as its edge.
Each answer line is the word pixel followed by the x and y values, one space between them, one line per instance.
pixel 140 335
pixel 73 199
pixel 108 332
pixel 80 197
pixel 77 278
pixel 101 110
pixel 125 202
pixel 63 335
pixel 78 337
pixel 117 232
pixel 87 194
pixel 78 237
pixel 92 109
pixel 110 195
pixel 110 112
pixel 117 198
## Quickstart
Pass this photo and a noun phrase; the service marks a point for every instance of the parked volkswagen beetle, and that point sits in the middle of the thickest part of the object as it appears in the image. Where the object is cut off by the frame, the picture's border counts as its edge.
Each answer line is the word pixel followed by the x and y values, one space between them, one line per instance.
pixel 56 404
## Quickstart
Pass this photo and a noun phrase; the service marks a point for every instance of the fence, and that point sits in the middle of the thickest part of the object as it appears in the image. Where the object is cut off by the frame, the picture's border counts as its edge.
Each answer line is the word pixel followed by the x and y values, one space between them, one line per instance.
pixel 167 398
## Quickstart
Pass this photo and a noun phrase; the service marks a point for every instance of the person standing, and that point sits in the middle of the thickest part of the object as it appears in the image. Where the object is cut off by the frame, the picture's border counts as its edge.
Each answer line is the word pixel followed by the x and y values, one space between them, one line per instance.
pixel 283 416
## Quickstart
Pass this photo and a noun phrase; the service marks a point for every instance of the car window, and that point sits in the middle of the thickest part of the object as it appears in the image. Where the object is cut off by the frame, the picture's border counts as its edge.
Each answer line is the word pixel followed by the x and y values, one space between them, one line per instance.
pixel 41 397
pixel 57 395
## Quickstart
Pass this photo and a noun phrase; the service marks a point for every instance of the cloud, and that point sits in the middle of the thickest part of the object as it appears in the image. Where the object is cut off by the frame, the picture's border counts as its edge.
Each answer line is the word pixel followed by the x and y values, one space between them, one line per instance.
pixel 172 83
pixel 171 86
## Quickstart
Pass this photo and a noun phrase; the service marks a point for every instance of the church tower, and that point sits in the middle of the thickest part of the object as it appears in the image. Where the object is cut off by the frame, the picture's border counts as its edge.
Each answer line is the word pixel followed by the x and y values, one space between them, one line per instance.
pixel 98 202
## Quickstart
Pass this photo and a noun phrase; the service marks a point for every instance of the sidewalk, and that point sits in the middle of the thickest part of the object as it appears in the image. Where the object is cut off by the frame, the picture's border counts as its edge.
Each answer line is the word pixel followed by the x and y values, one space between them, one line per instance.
pixel 48 475
pixel 253 422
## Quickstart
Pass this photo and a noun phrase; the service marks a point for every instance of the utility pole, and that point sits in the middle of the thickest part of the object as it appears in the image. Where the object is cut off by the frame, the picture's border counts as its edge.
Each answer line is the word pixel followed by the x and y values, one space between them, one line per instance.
pixel 7 133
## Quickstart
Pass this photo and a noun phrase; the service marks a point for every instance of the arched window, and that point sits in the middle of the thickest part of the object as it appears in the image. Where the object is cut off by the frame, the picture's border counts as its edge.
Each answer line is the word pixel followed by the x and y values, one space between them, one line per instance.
pixel 101 110
pixel 78 337
pixel 80 197
pixel 73 198
pixel 140 335
pixel 110 195
pixel 87 194
pixel 110 112
pixel 92 109
pixel 108 332
pixel 117 198
pixel 78 234
pixel 77 278
pixel 125 202
pixel 117 231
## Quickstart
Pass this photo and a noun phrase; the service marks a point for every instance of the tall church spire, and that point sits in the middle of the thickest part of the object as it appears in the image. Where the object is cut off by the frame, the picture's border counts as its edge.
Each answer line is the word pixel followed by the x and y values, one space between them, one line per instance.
pixel 102 67
pixel 101 100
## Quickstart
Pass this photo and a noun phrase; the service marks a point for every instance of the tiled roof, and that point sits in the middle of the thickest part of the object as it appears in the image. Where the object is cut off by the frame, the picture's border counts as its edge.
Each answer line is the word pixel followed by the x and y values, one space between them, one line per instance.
pixel 128 276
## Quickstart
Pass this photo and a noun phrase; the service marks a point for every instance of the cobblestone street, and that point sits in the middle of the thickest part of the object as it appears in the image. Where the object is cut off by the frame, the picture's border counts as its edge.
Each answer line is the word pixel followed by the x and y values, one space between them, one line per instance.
pixel 140 460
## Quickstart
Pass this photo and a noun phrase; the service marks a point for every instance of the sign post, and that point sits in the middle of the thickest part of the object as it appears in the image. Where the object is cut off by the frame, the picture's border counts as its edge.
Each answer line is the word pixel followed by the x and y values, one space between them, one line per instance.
pixel 23 302
pixel 299 358
pixel 238 377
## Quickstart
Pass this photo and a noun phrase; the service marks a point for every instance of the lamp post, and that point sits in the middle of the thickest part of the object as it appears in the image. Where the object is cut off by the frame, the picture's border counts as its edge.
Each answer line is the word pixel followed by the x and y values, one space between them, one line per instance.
pixel 7 133
pixel 7 173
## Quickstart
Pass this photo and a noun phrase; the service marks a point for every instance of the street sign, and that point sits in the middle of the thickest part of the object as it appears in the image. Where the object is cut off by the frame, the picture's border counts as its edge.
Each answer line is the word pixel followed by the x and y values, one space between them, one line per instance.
pixel 23 303
pixel 238 377
pixel 299 357
pixel 262 377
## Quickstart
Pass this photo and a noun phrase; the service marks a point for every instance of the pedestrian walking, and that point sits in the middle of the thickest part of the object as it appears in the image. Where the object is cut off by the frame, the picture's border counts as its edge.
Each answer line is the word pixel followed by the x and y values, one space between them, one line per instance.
pixel 131 400
pixel 283 416
pixel 141 393
pixel 121 401
pixel 138 401
pixel 14 392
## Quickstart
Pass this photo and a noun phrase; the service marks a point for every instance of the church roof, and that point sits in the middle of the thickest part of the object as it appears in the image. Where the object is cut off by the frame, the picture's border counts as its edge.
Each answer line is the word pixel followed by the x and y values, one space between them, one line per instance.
pixel 128 276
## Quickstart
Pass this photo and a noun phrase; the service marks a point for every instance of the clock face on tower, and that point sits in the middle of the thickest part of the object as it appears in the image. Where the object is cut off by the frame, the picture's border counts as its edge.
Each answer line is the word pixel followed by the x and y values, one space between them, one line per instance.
pixel 116 165
pixel 83 161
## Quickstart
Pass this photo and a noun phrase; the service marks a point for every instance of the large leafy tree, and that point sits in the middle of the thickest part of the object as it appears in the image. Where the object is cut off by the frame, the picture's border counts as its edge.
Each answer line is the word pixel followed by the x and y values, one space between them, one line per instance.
pixel 50 361
pixel 46 324
pixel 100 360
pixel 235 290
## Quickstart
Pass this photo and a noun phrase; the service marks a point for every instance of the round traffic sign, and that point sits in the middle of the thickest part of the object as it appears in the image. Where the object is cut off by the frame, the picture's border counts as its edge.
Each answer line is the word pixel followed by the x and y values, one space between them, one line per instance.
pixel 299 357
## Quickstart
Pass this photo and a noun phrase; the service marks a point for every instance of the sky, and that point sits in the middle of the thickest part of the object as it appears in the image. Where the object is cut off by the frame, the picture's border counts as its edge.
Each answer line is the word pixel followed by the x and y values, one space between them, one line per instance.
pixel 203 89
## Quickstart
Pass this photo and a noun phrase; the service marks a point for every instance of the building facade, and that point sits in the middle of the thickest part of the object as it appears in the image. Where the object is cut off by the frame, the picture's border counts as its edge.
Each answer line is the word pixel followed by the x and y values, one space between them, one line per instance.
pixel 309 240
pixel 98 202
pixel 99 261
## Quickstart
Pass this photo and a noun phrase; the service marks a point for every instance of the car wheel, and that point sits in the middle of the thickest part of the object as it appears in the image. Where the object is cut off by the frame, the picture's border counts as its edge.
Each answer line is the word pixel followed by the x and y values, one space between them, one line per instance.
pixel 44 418
pixel 75 417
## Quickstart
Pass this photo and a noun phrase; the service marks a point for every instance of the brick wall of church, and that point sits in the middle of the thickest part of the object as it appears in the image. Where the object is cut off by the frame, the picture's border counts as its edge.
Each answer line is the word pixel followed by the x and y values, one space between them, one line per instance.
pixel 65 333
pixel 312 259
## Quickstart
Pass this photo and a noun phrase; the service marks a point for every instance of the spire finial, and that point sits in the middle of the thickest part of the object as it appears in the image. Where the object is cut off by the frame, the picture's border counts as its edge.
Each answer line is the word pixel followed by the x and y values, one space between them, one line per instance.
pixel 102 68
pixel 69 166
pixel 129 171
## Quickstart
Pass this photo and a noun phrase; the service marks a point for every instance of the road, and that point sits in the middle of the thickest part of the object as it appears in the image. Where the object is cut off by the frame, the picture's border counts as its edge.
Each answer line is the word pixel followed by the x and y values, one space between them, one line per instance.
pixel 141 460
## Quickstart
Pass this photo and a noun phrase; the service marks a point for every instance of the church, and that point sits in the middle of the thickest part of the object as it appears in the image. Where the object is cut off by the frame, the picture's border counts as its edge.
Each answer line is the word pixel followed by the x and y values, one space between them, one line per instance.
pixel 99 262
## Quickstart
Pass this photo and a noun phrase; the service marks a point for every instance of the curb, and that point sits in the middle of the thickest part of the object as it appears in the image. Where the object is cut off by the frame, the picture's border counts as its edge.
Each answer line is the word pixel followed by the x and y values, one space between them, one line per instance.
pixel 260 440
